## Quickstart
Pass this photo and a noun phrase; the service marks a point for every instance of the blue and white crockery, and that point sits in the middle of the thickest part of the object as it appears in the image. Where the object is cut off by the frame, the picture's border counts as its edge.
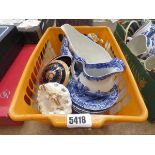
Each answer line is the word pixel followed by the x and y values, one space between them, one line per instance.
pixel 144 28
pixel 65 51
pixel 141 46
pixel 98 77
pixel 147 29
pixel 150 33
pixel 81 110
pixel 142 43
pixel 92 65
pixel 88 102
pixel 83 47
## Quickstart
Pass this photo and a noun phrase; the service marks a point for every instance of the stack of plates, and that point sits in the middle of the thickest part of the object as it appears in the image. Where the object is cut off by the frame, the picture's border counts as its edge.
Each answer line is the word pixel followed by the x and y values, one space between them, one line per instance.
pixel 93 103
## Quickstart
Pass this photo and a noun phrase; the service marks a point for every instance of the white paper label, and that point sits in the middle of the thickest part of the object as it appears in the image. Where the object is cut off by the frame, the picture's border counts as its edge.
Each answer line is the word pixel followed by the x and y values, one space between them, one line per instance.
pixel 79 120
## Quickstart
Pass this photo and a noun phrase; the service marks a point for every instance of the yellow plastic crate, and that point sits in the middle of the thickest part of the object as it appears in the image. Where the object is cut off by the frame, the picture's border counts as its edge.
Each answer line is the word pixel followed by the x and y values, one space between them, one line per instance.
pixel 129 108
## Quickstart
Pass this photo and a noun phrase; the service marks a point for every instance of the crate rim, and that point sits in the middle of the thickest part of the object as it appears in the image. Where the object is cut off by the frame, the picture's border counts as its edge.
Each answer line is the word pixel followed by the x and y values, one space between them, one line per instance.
pixel 114 118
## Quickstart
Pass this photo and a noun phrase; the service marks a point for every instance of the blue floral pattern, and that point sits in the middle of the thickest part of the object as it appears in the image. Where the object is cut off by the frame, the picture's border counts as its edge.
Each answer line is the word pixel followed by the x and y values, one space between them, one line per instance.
pixel 116 63
pixel 85 101
pixel 79 110
pixel 65 47
pixel 91 102
pixel 150 35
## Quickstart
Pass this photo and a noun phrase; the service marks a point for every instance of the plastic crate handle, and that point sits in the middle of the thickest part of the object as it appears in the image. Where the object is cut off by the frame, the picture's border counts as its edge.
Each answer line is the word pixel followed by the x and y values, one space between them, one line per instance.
pixel 97 121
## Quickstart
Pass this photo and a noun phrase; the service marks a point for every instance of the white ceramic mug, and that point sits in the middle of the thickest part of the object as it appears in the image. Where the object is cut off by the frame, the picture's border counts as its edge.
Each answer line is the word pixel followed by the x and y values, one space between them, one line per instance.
pixel 145 27
pixel 140 46
pixel 142 29
pixel 130 29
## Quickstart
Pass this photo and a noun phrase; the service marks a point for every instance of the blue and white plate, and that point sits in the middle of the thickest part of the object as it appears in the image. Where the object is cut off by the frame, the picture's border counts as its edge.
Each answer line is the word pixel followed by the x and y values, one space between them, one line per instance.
pixel 92 103
pixel 82 111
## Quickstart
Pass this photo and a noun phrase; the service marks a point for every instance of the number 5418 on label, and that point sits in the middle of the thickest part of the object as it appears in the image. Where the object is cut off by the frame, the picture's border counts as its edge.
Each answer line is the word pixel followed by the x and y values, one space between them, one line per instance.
pixel 79 120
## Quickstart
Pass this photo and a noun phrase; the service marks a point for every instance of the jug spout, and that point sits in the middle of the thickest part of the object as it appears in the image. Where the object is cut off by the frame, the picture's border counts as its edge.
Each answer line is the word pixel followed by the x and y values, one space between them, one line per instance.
pixel 103 70
pixel 101 77
pixel 98 77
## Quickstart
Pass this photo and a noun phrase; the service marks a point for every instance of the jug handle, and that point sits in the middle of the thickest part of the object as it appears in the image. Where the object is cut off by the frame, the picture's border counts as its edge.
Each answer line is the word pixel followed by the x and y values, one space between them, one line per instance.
pixel 127 29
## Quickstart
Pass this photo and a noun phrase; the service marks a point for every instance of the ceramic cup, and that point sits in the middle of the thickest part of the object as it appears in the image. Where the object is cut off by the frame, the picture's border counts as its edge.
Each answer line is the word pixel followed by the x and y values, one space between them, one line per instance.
pixel 144 28
pixel 130 28
pixel 147 29
pixel 149 32
pixel 130 32
pixel 149 65
pixel 141 46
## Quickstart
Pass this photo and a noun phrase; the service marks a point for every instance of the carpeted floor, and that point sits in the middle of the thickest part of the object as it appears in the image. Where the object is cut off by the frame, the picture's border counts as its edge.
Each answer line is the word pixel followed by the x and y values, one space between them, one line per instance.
pixel 36 128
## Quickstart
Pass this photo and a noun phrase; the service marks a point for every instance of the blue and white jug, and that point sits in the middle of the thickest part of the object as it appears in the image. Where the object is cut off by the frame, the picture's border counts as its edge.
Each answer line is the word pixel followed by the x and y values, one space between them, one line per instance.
pixel 91 64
